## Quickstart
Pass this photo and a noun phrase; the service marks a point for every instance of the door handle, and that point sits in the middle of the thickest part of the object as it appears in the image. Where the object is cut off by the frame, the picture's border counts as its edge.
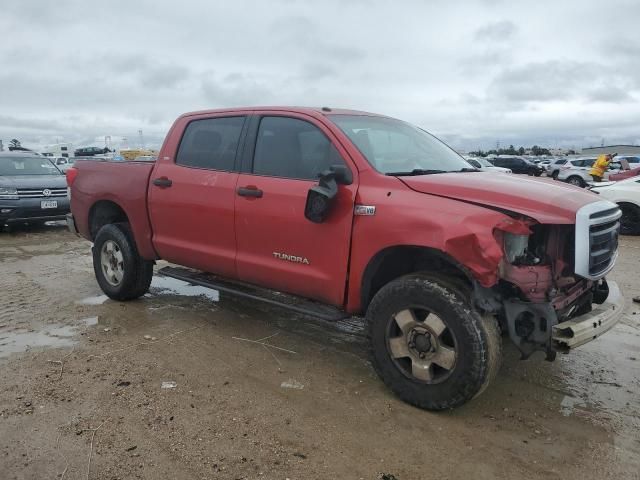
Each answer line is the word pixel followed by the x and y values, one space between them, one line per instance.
pixel 250 192
pixel 162 182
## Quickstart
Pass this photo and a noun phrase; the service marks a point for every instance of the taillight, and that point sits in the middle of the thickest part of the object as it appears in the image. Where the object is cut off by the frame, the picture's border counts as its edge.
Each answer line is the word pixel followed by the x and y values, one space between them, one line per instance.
pixel 72 173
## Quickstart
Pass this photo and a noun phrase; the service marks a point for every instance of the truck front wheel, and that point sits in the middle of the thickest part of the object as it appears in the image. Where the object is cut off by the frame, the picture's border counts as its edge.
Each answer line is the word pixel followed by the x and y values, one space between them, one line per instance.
pixel 121 273
pixel 429 346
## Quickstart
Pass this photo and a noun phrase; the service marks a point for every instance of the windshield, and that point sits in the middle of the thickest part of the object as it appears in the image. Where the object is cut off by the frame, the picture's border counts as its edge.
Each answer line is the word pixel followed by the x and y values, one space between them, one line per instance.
pixel 394 147
pixel 12 166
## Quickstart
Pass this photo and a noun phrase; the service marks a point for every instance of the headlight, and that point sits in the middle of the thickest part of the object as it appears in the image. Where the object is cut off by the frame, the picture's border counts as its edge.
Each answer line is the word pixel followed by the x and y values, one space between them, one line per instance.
pixel 515 246
pixel 8 193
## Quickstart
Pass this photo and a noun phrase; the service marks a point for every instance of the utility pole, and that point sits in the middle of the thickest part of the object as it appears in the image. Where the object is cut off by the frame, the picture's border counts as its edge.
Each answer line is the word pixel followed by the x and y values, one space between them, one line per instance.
pixel 141 139
pixel 1 146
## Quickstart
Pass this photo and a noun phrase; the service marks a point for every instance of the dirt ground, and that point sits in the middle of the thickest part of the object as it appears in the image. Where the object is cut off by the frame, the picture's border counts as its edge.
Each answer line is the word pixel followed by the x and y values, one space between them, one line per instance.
pixel 81 389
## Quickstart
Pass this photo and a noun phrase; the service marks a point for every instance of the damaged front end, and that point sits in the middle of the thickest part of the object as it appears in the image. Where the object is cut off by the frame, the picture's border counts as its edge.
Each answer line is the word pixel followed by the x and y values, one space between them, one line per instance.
pixel 550 278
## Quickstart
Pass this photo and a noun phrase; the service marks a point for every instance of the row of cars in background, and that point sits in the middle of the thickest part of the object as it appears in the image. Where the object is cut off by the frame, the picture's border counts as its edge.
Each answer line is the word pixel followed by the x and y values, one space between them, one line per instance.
pixel 576 170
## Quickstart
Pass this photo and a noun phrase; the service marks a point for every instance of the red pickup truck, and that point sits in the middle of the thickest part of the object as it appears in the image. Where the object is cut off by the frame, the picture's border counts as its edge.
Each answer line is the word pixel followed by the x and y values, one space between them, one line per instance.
pixel 351 213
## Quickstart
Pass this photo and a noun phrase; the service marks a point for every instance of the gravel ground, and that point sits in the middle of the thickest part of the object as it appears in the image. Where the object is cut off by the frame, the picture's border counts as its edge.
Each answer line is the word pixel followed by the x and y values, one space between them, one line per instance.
pixel 82 377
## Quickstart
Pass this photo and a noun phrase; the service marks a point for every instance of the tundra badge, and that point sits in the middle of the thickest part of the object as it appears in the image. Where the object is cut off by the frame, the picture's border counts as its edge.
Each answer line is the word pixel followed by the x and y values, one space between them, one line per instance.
pixel 291 258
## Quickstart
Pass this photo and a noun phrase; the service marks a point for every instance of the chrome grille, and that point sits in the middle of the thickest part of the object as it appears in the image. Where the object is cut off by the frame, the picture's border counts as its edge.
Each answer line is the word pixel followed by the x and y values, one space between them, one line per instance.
pixel 39 192
pixel 596 242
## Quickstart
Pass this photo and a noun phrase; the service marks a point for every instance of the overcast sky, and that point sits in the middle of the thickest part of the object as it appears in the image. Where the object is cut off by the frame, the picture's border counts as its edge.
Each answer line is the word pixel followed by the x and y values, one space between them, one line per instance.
pixel 555 73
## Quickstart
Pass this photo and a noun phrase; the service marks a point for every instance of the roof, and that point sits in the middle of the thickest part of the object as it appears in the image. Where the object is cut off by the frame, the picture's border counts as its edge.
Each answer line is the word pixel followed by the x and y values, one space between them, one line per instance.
pixel 313 111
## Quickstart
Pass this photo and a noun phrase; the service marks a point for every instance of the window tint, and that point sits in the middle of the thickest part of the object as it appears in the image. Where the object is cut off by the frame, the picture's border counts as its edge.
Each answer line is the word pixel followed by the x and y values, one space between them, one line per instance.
pixel 291 148
pixel 211 143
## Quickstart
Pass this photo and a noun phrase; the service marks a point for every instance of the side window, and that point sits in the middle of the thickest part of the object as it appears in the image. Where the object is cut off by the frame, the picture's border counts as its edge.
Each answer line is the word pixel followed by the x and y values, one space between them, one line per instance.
pixel 292 148
pixel 210 143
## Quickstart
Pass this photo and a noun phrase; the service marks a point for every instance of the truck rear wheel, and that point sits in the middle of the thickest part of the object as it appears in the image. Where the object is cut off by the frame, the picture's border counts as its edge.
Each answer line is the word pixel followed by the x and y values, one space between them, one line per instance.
pixel 121 273
pixel 429 346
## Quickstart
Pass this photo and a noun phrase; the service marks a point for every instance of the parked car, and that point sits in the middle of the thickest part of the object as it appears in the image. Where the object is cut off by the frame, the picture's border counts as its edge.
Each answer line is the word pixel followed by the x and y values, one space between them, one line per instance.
pixel 632 160
pixel 485 165
pixel 626 194
pixel 89 151
pixel 63 163
pixel 32 189
pixel 554 167
pixel 518 165
pixel 351 213
pixel 576 171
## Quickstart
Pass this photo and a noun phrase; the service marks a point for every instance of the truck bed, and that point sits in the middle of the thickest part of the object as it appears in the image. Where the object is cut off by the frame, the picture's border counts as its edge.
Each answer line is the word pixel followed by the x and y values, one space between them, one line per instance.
pixel 124 185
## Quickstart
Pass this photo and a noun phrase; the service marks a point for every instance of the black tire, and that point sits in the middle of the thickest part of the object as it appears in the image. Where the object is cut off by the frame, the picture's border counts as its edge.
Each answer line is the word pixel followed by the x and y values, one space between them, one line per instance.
pixel 537 174
pixel 630 220
pixel 136 272
pixel 476 342
pixel 555 174
pixel 576 180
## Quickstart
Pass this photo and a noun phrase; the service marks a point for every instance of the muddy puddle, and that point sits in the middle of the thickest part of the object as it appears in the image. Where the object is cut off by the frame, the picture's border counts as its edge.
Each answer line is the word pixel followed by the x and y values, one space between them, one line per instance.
pixel 19 340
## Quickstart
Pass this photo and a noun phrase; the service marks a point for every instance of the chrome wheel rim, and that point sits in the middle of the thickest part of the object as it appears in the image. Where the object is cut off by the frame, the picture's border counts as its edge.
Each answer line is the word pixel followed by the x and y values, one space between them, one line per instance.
pixel 421 345
pixel 575 181
pixel 112 262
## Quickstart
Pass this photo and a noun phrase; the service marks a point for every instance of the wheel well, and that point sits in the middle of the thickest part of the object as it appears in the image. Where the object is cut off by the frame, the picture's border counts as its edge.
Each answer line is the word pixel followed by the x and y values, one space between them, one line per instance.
pixel 103 213
pixel 627 204
pixel 394 262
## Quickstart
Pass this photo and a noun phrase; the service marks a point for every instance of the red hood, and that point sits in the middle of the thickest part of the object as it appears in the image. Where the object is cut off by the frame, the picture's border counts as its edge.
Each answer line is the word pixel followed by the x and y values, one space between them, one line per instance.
pixel 547 201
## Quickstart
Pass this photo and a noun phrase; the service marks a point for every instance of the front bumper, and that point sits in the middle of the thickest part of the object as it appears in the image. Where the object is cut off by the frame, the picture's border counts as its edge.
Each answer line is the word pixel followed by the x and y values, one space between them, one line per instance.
pixel 29 209
pixel 568 335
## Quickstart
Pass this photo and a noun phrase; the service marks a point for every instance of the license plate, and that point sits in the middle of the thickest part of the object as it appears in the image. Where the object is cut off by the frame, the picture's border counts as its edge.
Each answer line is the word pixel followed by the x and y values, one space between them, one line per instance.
pixel 49 204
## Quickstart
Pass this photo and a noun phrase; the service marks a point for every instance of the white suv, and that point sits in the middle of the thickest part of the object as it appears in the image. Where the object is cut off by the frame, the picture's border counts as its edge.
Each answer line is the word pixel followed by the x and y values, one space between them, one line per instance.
pixel 576 171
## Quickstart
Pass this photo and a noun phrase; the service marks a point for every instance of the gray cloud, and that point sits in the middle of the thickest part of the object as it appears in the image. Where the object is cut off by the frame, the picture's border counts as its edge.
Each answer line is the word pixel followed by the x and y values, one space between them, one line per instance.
pixel 500 31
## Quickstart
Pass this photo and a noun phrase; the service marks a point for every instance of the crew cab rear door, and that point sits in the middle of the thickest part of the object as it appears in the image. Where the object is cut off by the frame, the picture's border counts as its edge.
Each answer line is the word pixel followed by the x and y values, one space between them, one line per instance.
pixel 192 194
pixel 277 247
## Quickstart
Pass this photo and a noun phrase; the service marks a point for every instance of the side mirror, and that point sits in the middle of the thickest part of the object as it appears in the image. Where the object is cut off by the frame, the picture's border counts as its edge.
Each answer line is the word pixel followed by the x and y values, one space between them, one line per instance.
pixel 320 197
pixel 342 174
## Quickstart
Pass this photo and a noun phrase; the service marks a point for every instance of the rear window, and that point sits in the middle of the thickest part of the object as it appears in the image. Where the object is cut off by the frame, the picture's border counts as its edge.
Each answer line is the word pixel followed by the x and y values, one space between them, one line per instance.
pixel 211 143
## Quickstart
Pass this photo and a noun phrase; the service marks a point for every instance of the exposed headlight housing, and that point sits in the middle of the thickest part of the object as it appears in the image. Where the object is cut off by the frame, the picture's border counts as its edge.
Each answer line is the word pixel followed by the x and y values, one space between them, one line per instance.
pixel 515 246
pixel 7 193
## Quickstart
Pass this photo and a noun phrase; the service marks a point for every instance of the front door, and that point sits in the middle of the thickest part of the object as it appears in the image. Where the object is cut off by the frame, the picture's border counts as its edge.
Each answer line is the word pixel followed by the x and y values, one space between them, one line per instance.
pixel 277 246
pixel 191 201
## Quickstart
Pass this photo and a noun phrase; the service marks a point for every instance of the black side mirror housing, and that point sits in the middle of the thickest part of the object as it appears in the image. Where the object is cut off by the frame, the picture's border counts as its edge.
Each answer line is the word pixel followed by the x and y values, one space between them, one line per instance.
pixel 342 175
pixel 320 197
